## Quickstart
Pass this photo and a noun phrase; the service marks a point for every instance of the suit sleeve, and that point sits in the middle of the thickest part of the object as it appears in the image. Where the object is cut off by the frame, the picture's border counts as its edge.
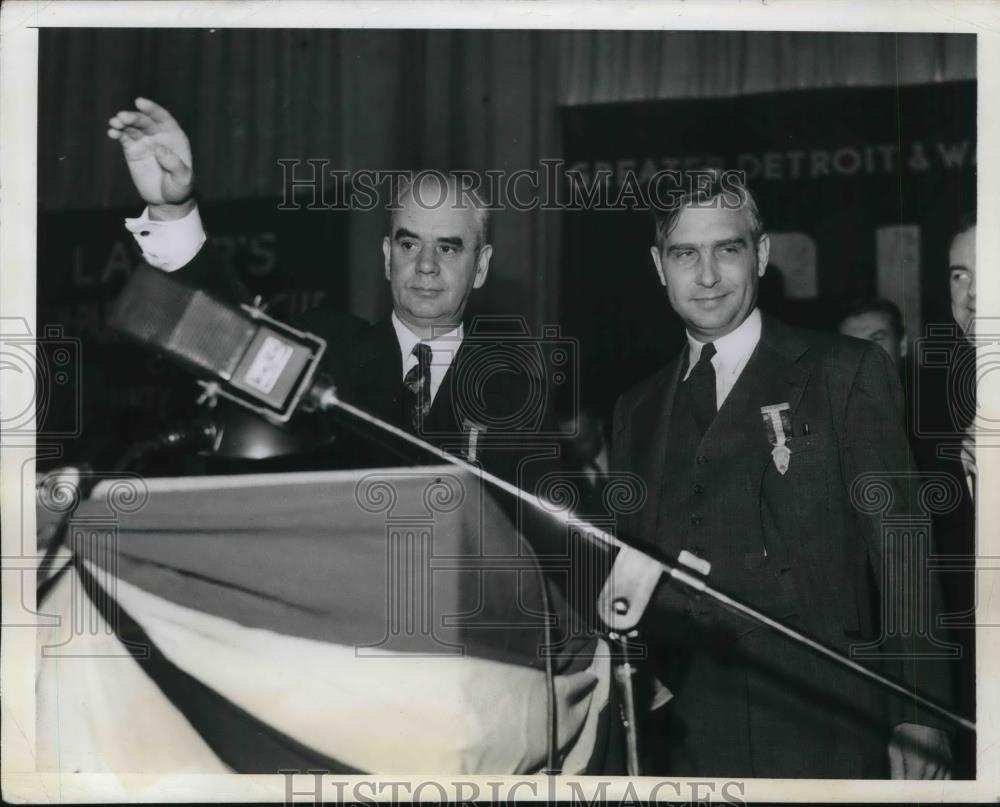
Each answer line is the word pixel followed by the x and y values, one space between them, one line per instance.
pixel 882 482
pixel 180 247
pixel 207 271
pixel 670 618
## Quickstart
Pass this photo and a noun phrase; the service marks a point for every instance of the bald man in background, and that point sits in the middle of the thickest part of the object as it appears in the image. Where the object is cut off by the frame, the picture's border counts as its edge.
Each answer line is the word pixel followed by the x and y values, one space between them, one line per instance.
pixel 944 444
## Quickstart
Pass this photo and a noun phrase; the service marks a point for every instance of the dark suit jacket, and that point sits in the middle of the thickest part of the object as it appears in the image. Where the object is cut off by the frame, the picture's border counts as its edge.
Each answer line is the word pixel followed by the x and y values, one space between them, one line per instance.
pixel 751 704
pixel 488 388
pixel 488 407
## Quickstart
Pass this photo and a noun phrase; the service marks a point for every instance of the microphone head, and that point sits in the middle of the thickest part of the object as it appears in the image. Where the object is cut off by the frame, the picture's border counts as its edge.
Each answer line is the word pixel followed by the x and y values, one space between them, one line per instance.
pixel 262 364
pixel 192 327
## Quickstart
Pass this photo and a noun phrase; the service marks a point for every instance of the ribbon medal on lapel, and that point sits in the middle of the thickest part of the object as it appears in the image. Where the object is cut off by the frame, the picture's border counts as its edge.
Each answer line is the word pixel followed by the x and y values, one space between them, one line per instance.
pixel 779 428
pixel 473 430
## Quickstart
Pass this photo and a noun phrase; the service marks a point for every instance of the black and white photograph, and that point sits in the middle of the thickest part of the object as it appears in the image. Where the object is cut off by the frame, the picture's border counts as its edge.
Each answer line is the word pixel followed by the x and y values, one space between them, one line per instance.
pixel 492 401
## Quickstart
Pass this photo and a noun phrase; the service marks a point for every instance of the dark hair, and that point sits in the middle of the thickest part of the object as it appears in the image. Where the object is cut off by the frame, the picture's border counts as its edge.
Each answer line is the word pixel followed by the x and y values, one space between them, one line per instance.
pixel 967 222
pixel 877 305
pixel 728 187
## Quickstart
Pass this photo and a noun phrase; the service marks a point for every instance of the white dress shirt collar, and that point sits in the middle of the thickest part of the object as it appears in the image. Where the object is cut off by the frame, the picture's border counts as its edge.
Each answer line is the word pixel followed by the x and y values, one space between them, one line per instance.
pixel 443 349
pixel 733 351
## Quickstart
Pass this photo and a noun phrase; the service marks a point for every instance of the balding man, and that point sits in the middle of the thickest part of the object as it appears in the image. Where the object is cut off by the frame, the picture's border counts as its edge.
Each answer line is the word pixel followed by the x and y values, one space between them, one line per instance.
pixel 415 368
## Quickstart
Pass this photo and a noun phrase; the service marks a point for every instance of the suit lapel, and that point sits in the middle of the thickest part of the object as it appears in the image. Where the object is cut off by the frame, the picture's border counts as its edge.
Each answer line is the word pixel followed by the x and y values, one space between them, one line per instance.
pixel 441 418
pixel 773 375
pixel 379 374
pixel 650 432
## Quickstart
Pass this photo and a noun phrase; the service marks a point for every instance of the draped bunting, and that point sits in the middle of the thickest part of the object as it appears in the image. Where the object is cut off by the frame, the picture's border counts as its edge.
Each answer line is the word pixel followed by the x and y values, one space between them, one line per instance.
pixel 370 621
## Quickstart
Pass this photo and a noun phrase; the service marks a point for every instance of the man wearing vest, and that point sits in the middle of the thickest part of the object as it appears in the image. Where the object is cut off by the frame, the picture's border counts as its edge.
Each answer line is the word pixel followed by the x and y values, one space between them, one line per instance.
pixel 749 442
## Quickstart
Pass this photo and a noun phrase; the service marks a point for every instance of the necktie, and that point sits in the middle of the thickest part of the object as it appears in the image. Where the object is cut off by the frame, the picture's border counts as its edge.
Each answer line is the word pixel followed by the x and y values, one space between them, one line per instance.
pixel 701 386
pixel 417 388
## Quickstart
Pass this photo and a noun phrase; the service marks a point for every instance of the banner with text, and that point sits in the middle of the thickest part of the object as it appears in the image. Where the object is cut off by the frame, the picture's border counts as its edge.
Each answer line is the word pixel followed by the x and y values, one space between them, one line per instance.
pixel 108 394
pixel 860 190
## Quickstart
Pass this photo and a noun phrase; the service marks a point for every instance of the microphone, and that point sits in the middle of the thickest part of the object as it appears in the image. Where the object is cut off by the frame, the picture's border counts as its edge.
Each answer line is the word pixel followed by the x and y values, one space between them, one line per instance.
pixel 240 353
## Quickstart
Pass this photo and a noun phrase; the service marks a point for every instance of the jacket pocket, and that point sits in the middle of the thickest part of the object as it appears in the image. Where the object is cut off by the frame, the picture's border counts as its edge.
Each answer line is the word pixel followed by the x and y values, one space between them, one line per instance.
pixel 808 473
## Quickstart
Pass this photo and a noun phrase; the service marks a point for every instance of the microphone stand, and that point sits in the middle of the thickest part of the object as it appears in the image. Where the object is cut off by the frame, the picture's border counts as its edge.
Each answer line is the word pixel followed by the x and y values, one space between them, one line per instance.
pixel 635 575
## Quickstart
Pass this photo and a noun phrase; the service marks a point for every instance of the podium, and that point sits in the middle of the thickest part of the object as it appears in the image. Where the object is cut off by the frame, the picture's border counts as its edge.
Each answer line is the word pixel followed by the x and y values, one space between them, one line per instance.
pixel 387 621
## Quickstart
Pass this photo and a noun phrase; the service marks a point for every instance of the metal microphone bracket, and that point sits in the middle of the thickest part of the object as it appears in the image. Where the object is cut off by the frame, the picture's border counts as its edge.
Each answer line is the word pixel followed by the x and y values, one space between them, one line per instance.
pixel 621 604
pixel 623 600
pixel 209 394
pixel 281 411
pixel 627 590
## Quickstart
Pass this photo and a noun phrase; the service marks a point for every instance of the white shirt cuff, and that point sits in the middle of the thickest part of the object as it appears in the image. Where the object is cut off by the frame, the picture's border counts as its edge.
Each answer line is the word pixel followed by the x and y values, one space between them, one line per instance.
pixel 168 245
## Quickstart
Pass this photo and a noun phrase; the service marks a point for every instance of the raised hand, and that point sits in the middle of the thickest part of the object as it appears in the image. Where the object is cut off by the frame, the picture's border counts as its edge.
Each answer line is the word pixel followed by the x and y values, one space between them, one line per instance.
pixel 158 156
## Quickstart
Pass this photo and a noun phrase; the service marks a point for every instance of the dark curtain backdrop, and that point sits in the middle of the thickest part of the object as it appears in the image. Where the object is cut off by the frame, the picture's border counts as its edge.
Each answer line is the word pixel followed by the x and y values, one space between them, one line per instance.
pixel 396 98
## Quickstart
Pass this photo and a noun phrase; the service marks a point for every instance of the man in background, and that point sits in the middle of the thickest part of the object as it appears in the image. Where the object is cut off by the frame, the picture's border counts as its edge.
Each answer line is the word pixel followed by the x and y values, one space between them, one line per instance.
pixel 944 444
pixel 962 274
pixel 879 321
pixel 962 287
